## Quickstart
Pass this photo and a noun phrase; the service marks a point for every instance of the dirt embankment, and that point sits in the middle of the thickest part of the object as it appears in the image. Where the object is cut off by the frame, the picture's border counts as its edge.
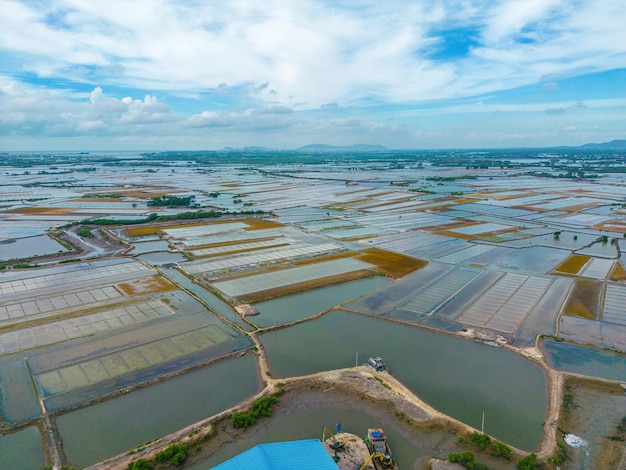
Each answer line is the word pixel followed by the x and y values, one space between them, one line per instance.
pixel 375 388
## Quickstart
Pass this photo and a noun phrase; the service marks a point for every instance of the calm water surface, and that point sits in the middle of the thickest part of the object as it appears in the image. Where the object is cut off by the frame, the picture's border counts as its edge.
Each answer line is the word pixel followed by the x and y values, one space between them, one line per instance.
pixel 22 450
pixel 306 304
pixel 457 377
pixel 115 426
pixel 27 247
pixel 584 360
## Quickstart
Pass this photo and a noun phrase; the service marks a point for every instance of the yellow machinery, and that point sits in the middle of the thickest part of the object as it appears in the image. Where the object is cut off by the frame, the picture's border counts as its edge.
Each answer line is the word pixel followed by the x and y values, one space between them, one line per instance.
pixel 376 455
pixel 337 444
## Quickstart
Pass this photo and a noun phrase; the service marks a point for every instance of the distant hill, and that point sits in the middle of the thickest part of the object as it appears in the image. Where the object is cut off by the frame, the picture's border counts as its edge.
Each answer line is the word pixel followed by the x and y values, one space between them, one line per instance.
pixel 342 148
pixel 251 148
pixel 614 144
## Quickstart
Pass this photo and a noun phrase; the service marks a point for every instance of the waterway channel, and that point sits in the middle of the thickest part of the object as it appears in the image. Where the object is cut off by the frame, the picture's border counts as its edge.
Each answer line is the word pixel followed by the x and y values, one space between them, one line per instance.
pixel 460 378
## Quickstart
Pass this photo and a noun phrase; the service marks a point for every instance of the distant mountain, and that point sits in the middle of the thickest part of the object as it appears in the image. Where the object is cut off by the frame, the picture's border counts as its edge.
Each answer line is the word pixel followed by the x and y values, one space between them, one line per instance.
pixel 342 148
pixel 251 148
pixel 614 144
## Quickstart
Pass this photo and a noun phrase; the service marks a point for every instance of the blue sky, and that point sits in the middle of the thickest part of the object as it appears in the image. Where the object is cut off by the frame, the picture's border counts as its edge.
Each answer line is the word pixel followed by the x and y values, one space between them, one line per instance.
pixel 194 74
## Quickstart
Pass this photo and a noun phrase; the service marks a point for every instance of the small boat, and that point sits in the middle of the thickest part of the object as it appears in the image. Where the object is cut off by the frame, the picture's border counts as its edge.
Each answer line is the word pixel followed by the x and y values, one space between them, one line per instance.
pixel 379 449
pixel 377 364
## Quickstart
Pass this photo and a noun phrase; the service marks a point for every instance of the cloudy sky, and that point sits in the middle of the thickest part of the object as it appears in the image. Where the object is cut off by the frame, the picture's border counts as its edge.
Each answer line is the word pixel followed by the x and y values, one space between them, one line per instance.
pixel 196 74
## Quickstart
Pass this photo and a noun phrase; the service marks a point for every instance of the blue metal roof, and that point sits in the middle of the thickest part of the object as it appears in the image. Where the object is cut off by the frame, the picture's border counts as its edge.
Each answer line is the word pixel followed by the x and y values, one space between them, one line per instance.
pixel 309 454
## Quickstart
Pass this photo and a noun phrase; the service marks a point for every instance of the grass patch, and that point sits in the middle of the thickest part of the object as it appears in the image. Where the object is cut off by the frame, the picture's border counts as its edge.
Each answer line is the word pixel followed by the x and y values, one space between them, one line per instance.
pixel 260 224
pixel 155 229
pixel 392 264
pixel 145 286
pixel 584 299
pixel 573 264
pixel 619 273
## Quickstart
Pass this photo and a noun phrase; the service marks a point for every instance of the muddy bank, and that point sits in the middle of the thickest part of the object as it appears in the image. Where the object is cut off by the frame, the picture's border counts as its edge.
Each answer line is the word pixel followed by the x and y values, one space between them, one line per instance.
pixel 594 411
pixel 429 434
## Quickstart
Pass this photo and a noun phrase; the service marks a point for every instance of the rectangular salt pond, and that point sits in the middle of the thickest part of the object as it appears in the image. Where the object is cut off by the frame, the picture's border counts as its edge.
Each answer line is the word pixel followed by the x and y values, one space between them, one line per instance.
pixel 599 333
pixel 388 298
pixel 481 228
pixel 19 400
pixel 204 230
pixel 63 330
pixel 116 364
pixel 27 247
pixel 534 259
pixel 22 450
pixel 507 303
pixel 614 302
pixel 249 260
pixel 431 296
pixel 298 306
pixel 465 254
pixel 145 414
pixel 584 360
pixel 408 241
pixel 87 274
pixel 289 276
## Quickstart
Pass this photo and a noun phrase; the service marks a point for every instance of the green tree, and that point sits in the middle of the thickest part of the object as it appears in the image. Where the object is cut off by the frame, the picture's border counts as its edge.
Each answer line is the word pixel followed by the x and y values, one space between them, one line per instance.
pixel 480 440
pixel 498 449
pixel 174 453
pixel 527 463
pixel 468 460
pixel 85 233
pixel 141 464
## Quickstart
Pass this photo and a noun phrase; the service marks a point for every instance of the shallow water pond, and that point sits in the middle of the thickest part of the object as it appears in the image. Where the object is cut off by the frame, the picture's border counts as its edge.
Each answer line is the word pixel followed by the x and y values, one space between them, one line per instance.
pixel 22 450
pixel 298 306
pixel 594 362
pixel 31 246
pixel 140 416
pixel 458 377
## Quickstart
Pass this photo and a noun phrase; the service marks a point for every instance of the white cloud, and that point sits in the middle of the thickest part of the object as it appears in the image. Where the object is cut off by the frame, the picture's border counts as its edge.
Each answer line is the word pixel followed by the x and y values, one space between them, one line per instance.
pixel 308 51
pixel 262 65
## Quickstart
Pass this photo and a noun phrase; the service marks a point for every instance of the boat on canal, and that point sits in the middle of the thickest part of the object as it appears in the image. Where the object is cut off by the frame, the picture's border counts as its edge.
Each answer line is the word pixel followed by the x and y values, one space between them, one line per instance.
pixel 380 453
pixel 377 364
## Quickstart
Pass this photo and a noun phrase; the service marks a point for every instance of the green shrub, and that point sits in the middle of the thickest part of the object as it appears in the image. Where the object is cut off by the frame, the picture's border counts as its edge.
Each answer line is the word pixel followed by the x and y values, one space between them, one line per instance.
pixel 242 419
pixel 527 463
pixel 141 464
pixel 481 441
pixel 560 456
pixel 468 460
pixel 261 407
pixel 175 454
pixel 85 233
pixel 498 449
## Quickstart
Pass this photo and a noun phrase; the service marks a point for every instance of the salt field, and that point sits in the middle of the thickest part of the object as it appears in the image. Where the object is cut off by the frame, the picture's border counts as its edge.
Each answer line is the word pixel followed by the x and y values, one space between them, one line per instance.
pixel 109 302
